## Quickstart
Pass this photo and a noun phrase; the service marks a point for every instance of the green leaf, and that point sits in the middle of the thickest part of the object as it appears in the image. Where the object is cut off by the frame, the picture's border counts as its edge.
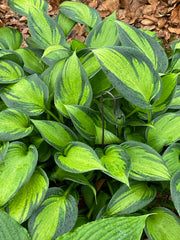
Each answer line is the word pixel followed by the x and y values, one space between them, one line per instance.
pixel 166 130
pixel 45 31
pixel 78 158
pixel 16 169
pixel 139 84
pixel 162 224
pixel 175 103
pixel 175 190
pixel 14 125
pixel 10 55
pixel 147 164
pixel 10 72
pixel 23 7
pixel 10 229
pixel 54 217
pixel 117 162
pixel 65 23
pixel 102 35
pixel 171 158
pixel 128 200
pixel 33 103
pixel 55 53
pixel 3 150
pixel 32 63
pixel 72 86
pixel 81 13
pixel 123 228
pixel 29 197
pixel 54 133
pixel 12 37
pixel 135 38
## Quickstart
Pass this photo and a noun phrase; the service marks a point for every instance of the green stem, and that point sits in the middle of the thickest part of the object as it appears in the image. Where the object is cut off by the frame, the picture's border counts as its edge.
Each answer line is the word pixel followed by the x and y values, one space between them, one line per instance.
pixel 110 188
pixel 52 115
pixel 149 115
pixel 131 113
pixel 69 189
pixel 91 211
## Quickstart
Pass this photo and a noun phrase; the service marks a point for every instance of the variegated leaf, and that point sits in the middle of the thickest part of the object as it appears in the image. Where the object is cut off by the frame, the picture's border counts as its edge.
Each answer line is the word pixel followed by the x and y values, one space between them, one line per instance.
pixel 30 95
pixel 133 37
pixel 175 103
pixel 140 83
pixel 175 190
pixel 81 13
pixel 3 150
pixel 29 197
pixel 10 55
pixel 55 216
pixel 12 37
pixel 16 169
pixel 147 164
pixel 65 23
pixel 45 31
pixel 14 125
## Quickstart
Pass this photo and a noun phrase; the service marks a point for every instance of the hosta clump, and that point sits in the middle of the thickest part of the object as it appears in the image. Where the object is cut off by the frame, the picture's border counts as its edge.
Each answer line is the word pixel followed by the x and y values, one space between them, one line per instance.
pixel 89 137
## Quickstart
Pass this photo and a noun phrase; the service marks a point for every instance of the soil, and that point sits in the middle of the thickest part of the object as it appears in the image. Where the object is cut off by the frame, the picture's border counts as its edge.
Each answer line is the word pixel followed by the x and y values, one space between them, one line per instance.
pixel 161 16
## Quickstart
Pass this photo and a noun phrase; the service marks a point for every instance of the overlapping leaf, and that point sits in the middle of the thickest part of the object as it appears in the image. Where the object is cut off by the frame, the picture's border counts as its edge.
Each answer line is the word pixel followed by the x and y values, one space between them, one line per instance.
pixel 147 164
pixel 30 95
pixel 65 23
pixel 29 197
pixel 14 125
pixel 175 103
pixel 16 169
pixel 175 190
pixel 139 84
pixel 55 216
pixel 10 55
pixel 12 37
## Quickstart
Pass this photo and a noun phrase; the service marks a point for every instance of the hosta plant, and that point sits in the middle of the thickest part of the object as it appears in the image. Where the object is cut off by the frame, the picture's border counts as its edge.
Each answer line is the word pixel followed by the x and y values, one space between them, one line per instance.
pixel 89 131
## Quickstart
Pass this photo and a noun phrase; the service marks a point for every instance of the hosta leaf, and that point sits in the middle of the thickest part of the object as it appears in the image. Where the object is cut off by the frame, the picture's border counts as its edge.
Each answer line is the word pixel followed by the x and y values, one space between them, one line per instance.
pixel 29 197
pixel 128 200
pixel 72 87
pixel 77 45
pixel 78 158
pixel 54 217
pixel 16 169
pixel 147 164
pixel 30 95
pixel 23 7
pixel 54 133
pixel 109 137
pixel 46 31
pixel 6 54
pixel 32 63
pixel 139 84
pixel 171 157
pixel 124 228
pixel 65 23
pixel 10 229
pixel 55 53
pixel 163 224
pixel 175 103
pixel 133 37
pixel 166 130
pixel 81 13
pixel 14 125
pixel 3 150
pixel 117 162
pixel 12 37
pixel 104 34
pixel 175 190
pixel 10 72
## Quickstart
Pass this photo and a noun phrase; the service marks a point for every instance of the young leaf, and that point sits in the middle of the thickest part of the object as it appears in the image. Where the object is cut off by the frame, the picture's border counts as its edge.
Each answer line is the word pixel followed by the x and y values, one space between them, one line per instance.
pixel 72 87
pixel 124 228
pixel 23 7
pixel 55 216
pixel 166 130
pixel 14 125
pixel 30 95
pixel 78 158
pixel 128 200
pixel 10 72
pixel 54 133
pixel 147 164
pixel 10 229
pixel 162 224
pixel 139 84
pixel 117 162
pixel 175 190
pixel 171 158
pixel 46 31
pixel 16 169
pixel 3 150
pixel 65 23
pixel 81 13
pixel 133 37
pixel 12 37
pixel 29 197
